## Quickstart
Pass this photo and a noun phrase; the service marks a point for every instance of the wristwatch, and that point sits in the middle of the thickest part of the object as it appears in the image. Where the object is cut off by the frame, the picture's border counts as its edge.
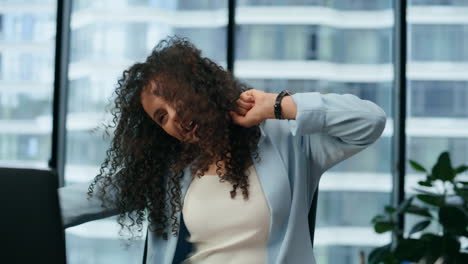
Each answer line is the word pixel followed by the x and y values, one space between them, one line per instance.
pixel 280 96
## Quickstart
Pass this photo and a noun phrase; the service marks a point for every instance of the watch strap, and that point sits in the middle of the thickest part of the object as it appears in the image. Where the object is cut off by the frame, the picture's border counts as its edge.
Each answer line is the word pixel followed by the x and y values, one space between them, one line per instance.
pixel 277 107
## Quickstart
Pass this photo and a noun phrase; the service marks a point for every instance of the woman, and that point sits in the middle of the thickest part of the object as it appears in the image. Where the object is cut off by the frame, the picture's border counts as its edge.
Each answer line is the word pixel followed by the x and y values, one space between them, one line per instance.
pixel 188 137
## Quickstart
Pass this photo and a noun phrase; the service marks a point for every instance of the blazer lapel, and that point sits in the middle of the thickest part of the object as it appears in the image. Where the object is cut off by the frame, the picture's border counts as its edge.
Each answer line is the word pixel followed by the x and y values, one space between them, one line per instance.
pixel 276 187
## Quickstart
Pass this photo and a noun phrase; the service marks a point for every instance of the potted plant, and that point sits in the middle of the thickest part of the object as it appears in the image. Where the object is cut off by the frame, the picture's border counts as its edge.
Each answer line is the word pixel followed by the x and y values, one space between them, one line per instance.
pixel 440 200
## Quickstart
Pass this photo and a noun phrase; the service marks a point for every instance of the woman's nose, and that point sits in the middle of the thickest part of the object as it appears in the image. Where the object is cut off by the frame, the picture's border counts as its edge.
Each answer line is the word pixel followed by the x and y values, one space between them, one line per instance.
pixel 179 124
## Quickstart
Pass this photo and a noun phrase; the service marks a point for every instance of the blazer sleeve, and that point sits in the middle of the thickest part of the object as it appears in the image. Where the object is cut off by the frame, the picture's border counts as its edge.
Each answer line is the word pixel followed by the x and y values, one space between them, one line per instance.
pixel 76 208
pixel 334 127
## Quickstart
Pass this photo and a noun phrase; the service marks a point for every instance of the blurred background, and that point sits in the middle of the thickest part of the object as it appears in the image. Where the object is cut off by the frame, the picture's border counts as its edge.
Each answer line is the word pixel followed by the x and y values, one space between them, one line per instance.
pixel 340 46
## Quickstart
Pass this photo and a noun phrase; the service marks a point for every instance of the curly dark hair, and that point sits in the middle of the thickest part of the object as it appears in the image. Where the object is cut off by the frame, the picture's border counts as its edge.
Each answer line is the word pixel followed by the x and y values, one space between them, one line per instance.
pixel 144 165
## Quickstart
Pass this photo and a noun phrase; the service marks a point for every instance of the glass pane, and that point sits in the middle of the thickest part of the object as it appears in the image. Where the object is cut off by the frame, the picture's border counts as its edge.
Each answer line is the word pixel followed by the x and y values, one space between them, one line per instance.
pixel 27 51
pixel 437 88
pixel 329 47
pixel 108 36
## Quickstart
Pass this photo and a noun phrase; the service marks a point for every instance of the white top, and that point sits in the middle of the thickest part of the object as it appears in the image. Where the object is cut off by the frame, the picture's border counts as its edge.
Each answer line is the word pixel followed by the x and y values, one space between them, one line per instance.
pixel 222 229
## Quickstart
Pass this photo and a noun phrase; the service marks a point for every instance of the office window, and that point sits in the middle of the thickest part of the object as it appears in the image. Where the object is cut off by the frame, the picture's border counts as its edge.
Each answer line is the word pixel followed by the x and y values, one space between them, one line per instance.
pixel 437 84
pixel 335 4
pixel 1 25
pixel 355 45
pixel 279 42
pixel 427 148
pixel 361 4
pixel 438 2
pixel 439 98
pixel 333 56
pixel 348 208
pixel 27 39
pixel 340 254
pixel 429 42
pixel 313 42
pixel 201 5
pixel 211 39
pixel 339 46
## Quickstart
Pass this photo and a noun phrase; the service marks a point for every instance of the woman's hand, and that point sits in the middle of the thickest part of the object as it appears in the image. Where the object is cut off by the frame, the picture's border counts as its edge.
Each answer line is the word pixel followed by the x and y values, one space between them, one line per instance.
pixel 253 106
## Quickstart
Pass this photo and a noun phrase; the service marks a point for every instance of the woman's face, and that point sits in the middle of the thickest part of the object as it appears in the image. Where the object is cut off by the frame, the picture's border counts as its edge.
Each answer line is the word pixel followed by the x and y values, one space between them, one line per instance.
pixel 166 117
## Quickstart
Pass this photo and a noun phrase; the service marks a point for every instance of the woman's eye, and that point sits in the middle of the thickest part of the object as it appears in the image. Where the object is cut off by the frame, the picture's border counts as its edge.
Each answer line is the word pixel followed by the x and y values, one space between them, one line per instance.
pixel 161 118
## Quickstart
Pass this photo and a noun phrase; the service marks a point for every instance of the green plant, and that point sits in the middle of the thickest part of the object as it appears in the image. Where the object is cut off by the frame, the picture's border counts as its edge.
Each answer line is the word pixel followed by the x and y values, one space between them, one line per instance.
pixel 440 200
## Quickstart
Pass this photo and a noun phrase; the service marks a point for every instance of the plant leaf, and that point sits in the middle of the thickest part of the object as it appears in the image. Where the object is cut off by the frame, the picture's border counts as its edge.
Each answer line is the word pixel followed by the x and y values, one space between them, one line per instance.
pixel 382 227
pixel 461 258
pixel 378 254
pixel 453 219
pixel 450 245
pixel 419 226
pixel 424 191
pixel 443 170
pixel 417 166
pixel 405 204
pixel 390 209
pixel 425 183
pixel 410 249
pixel 430 178
pixel 461 169
pixel 436 200
pixel 419 211
pixel 378 218
pixel 433 245
pixel 463 192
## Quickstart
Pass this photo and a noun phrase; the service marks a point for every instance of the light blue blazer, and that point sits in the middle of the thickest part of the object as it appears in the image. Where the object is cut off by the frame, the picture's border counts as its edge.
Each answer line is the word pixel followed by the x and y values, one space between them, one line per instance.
pixel 328 128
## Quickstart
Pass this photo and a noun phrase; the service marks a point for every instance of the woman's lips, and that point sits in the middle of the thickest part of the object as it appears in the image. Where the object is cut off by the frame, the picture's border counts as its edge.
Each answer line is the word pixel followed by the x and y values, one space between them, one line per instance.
pixel 191 133
pixel 186 128
pixel 193 129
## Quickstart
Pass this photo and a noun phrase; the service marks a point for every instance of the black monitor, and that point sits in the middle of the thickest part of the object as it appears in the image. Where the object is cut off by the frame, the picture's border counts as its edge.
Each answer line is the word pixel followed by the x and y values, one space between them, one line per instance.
pixel 30 221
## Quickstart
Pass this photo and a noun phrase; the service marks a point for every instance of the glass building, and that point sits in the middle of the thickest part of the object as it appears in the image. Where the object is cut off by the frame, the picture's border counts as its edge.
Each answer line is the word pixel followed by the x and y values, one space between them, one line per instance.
pixel 339 46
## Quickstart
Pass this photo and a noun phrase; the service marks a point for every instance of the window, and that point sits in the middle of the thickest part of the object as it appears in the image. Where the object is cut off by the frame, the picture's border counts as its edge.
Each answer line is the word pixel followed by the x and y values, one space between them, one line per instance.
pixel 335 46
pixel 26 82
pixel 437 94
pixel 1 25
pixel 439 98
pixel 429 42
pixel 438 2
pixel 303 55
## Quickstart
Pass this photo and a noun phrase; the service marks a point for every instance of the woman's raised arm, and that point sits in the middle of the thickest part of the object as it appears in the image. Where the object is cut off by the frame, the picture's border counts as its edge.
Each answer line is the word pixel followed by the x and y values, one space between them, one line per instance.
pixel 335 126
